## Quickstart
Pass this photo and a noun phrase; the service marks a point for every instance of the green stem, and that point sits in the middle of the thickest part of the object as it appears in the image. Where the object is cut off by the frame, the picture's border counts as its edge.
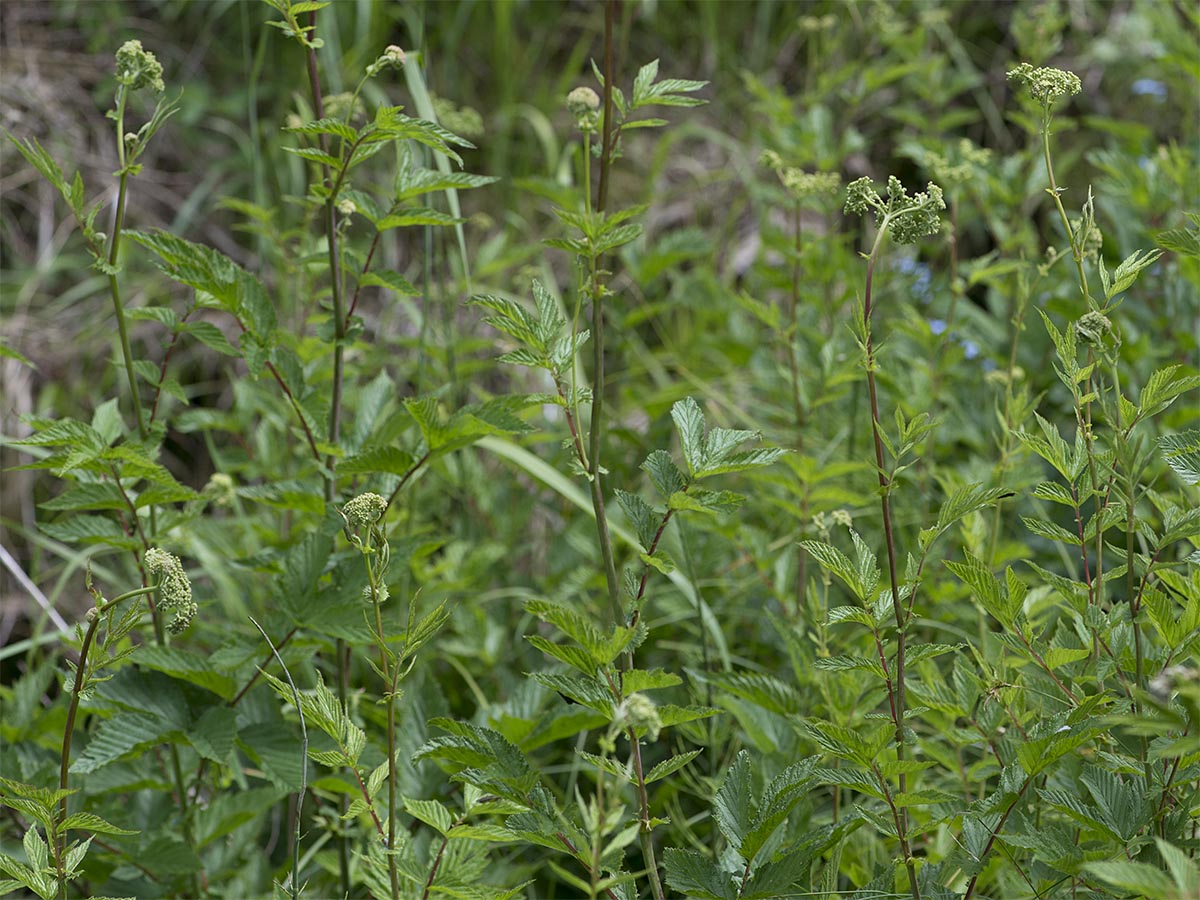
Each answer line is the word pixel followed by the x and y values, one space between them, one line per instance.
pixel 114 247
pixel 595 288
pixel 889 538
pixel 335 402
pixel 72 710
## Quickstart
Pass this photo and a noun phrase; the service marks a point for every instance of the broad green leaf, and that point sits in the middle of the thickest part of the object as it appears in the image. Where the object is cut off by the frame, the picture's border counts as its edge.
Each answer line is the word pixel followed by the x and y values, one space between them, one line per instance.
pixel 733 805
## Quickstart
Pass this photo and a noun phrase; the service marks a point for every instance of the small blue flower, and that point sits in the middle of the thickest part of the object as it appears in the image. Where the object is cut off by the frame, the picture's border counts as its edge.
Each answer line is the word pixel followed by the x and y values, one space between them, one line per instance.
pixel 1149 87
pixel 937 326
pixel 970 349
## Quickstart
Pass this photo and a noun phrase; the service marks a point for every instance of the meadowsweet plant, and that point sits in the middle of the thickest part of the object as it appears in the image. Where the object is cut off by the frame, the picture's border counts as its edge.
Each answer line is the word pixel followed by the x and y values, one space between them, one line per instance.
pixel 459 562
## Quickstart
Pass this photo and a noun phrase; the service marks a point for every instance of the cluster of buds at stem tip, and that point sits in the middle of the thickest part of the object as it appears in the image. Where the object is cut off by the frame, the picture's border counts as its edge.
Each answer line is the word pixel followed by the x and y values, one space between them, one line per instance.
pixel 799 183
pixel 138 68
pixel 1046 84
pixel 584 104
pixel 361 514
pixel 174 588
pixel 391 58
pixel 907 218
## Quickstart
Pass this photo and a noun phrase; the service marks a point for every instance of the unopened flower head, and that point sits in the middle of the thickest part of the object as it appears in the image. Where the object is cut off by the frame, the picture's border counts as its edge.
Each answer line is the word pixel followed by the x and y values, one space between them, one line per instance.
pixel 347 207
pixel 584 104
pixel 365 509
pixel 220 490
pixel 391 58
pixel 639 712
pixel 1093 327
pixel 842 517
pixel 799 183
pixel 174 588
pixel 138 68
pixel 1046 84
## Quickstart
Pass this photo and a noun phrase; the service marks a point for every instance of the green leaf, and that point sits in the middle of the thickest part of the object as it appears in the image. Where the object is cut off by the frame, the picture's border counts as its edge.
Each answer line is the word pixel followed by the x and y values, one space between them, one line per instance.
pixel 432 813
pixel 124 733
pixel 312 154
pixel 695 875
pixel 416 216
pixel 837 563
pixel 1127 272
pixel 98 495
pixel 1181 452
pixel 186 665
pixel 84 821
pixel 1142 879
pixel 1162 389
pixel 733 804
pixel 670 766
pixel 777 801
pixel 335 127
pixel 392 280
pixel 664 474
pixel 643 519
pixel 689 422
pixel 211 336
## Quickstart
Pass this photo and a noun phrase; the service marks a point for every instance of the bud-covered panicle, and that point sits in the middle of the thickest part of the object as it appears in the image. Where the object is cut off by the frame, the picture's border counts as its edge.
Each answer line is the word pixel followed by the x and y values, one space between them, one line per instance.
pixel 584 104
pixel 174 588
pixel 365 509
pixel 1046 84
pixel 908 218
pixel 138 68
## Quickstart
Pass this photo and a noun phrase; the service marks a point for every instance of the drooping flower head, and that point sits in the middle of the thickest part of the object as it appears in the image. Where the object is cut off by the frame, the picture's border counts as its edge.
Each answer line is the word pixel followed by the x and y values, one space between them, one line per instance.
pixel 174 588
pixel 391 58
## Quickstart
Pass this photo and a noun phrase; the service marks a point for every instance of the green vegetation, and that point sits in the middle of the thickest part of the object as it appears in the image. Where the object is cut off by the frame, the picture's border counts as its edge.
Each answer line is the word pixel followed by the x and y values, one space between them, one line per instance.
pixel 616 450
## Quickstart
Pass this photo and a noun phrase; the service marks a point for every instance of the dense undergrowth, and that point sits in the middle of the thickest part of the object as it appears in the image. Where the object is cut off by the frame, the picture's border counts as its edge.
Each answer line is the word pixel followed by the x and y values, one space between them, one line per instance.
pixel 712 450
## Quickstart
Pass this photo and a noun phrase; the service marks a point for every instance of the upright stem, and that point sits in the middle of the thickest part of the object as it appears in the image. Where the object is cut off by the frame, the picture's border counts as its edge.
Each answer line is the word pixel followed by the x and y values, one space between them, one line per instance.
pixel 595 288
pixel 335 400
pixel 60 839
pixel 889 538
pixel 114 247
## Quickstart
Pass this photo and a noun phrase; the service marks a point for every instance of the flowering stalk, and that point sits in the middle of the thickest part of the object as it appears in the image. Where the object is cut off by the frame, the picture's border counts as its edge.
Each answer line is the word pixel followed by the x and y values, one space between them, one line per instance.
pixel 800 185
pixel 175 592
pixel 365 531
pixel 908 219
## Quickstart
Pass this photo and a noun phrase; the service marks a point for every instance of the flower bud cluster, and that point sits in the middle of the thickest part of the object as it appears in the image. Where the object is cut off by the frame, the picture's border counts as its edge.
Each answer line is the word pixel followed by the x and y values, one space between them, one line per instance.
pixel 1046 84
pixel 365 509
pixel 174 588
pixel 639 712
pixel 1093 327
pixel 138 68
pixel 799 183
pixel 908 218
pixel 391 58
pixel 584 104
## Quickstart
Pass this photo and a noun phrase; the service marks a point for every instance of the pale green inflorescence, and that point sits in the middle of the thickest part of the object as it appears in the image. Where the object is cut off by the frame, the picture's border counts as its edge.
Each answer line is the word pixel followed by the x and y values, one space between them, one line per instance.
pixel 799 183
pixel 639 712
pixel 365 509
pixel 907 218
pixel 1093 327
pixel 138 68
pixel 1046 84
pixel 584 104
pixel 391 58
pixel 174 588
